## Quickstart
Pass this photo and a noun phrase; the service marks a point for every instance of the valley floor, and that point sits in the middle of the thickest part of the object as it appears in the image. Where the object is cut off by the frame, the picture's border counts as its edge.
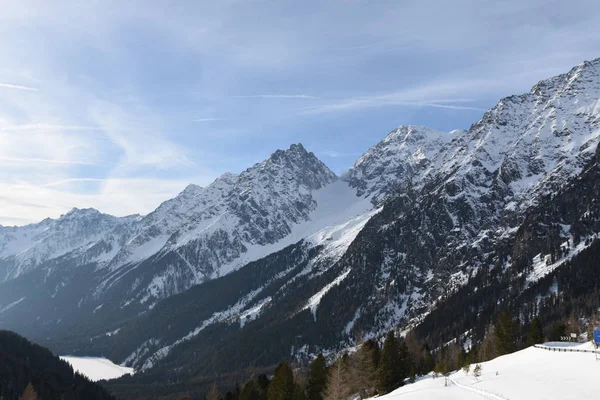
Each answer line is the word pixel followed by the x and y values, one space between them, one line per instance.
pixel 530 374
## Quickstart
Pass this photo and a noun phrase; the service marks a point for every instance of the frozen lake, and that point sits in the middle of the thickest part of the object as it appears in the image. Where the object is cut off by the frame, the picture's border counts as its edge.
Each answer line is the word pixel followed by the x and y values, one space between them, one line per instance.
pixel 96 368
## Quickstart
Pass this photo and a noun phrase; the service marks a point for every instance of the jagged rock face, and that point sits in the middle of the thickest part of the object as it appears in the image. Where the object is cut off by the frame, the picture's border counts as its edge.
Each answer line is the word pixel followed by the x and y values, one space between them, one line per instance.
pixel 398 162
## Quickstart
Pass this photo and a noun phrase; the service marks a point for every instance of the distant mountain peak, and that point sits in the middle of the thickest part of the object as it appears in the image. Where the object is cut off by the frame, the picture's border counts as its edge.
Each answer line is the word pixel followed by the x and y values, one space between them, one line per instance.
pixel 191 190
pixel 80 212
pixel 295 150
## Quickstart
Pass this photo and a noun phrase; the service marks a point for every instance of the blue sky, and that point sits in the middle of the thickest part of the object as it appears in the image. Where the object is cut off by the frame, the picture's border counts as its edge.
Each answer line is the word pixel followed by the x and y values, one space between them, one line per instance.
pixel 119 105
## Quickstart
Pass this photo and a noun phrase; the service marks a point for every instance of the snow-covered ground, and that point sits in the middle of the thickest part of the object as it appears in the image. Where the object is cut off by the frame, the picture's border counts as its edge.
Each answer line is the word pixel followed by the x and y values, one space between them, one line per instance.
pixel 97 369
pixel 530 374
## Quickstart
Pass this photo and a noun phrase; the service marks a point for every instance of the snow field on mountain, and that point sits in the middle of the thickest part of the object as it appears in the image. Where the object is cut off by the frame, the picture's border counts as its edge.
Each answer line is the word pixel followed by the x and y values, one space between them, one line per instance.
pixel 339 216
pixel 97 369
pixel 530 374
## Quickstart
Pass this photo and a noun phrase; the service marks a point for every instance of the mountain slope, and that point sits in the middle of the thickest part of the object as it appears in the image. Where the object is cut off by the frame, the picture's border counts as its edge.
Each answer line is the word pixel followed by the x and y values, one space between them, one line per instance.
pixel 530 374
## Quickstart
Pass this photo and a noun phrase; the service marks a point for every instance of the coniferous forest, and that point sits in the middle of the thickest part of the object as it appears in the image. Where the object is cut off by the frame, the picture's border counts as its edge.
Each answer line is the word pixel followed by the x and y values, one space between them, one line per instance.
pixel 29 372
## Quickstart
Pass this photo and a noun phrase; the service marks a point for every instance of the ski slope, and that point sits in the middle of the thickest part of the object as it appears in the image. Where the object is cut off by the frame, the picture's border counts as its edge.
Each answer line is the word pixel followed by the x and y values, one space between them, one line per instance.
pixel 530 374
pixel 96 369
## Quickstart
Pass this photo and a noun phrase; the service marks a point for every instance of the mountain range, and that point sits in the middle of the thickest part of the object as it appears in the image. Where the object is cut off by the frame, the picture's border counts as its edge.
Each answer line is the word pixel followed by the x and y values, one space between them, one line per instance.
pixel 287 259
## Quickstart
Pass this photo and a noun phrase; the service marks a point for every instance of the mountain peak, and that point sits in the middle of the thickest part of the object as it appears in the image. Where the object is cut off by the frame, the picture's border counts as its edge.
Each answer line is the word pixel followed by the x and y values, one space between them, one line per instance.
pixel 80 212
pixel 295 150
pixel 191 190
pixel 297 164
pixel 297 147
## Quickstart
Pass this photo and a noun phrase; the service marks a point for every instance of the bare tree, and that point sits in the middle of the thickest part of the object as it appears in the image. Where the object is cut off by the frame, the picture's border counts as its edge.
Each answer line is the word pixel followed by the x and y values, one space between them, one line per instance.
pixel 362 371
pixel 338 387
pixel 214 393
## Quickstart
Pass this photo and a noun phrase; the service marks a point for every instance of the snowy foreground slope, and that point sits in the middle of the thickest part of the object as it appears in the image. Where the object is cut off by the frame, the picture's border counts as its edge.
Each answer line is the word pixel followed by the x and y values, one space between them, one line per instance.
pixel 97 369
pixel 530 374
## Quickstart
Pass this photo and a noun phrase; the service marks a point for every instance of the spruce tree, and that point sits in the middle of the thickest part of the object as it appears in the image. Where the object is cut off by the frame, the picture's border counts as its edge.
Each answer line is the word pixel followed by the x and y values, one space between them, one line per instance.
pixel 404 362
pixel 426 362
pixel 282 386
pixel 389 373
pixel 250 391
pixel 593 324
pixel 373 348
pixel 505 334
pixel 262 381
pixel 317 378
pixel 535 335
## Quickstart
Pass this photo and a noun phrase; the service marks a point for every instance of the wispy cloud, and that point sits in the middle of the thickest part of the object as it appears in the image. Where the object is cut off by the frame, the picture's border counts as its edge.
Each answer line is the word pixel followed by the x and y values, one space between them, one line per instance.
pixel 362 103
pixel 29 160
pixel 448 106
pixel 49 127
pixel 442 94
pixel 17 87
pixel 72 180
pixel 208 119
pixel 276 96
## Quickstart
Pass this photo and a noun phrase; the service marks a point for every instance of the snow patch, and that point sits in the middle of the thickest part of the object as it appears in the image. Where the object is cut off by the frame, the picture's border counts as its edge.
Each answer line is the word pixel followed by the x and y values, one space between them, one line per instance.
pixel 314 301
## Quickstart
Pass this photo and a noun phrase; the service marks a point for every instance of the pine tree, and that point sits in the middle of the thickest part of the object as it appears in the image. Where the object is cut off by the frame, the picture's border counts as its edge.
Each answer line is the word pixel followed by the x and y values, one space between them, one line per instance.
pixel 404 362
pixel 505 334
pixel 593 324
pixel 250 391
pixel 535 335
pixel 487 351
pixel 262 382
pixel 317 378
pixel 338 387
pixel 282 386
pixel 426 362
pixel 389 373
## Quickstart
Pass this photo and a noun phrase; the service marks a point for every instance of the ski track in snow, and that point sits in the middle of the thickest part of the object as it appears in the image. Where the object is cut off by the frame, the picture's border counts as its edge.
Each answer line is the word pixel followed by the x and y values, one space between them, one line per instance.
pixel 483 393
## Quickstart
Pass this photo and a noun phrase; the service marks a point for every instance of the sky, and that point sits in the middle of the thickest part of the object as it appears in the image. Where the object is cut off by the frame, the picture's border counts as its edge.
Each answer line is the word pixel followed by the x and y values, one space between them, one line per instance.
pixel 118 105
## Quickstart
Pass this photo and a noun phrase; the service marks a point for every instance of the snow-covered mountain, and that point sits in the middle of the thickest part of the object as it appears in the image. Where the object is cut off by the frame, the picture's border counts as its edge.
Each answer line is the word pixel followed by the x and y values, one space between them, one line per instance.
pixel 203 232
pixel 24 248
pixel 286 242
